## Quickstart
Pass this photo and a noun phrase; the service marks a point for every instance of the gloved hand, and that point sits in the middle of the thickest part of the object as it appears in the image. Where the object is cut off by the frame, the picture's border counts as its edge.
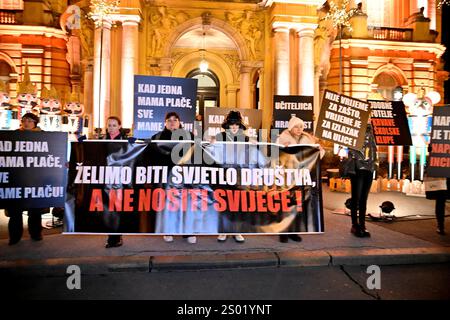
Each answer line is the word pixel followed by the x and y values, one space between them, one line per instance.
pixel 82 138
pixel 131 140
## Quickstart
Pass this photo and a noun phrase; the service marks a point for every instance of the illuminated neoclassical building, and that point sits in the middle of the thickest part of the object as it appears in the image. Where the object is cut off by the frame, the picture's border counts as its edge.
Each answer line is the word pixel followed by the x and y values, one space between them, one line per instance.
pixel 253 49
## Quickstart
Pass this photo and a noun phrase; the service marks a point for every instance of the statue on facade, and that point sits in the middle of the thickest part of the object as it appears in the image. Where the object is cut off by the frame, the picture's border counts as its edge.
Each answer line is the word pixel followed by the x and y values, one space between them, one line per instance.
pixel 7 115
pixel 324 36
pixel 50 110
pixel 162 21
pixel 75 122
pixel 27 94
pixel 250 28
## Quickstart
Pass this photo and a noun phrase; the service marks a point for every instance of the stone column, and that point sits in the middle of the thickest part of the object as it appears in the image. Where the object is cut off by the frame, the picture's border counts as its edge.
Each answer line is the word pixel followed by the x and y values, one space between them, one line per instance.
pixel 130 43
pixel 165 65
pixel 88 78
pixel 282 71
pixel 102 70
pixel 231 91
pixel 306 62
pixel 245 95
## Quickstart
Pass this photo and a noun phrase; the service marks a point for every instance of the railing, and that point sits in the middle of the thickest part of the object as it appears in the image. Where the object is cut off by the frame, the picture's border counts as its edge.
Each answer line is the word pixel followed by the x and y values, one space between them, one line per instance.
pixel 8 17
pixel 392 34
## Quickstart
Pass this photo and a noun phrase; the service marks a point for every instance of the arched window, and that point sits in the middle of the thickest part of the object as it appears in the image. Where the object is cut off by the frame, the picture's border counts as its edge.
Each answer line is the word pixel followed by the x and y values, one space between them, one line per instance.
pixel 387 85
pixel 11 4
pixel 208 89
pixel 5 71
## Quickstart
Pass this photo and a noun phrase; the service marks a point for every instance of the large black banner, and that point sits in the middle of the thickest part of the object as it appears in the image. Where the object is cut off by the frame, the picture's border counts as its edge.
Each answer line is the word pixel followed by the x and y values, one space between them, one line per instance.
pixel 343 120
pixel 284 107
pixel 193 188
pixel 439 162
pixel 32 169
pixel 390 125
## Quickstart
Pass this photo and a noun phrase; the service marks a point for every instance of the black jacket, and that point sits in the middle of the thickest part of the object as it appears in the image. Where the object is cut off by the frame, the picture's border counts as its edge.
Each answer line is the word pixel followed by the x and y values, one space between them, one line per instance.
pixel 366 158
pixel 228 136
pixel 121 136
pixel 166 134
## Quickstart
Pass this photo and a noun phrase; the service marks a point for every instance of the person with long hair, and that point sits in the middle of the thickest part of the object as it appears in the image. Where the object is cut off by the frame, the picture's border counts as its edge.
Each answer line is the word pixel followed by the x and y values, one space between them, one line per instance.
pixel 114 131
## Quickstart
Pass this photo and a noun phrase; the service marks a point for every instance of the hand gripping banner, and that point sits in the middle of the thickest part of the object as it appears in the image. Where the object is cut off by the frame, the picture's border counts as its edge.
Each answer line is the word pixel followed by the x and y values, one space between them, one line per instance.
pixel 187 187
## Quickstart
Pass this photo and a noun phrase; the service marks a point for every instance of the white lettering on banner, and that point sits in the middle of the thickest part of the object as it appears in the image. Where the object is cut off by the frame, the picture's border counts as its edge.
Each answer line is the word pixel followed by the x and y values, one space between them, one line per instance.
pixel 31 146
pixel 441 121
pixel 43 192
pixel 344 130
pixel 145 114
pixel 193 175
pixel 43 162
pixel 332 96
pixel 281 124
pixel 10 193
pixel 49 161
pixel 5 146
pixel 349 111
pixel 293 105
pixel 146 88
pixel 150 102
pixel 11 162
pixel 215 119
pixel 102 175
pixel 155 174
pixel 213 131
pixel 339 118
pixel 170 89
pixel 178 103
pixel 354 103
pixel 149 126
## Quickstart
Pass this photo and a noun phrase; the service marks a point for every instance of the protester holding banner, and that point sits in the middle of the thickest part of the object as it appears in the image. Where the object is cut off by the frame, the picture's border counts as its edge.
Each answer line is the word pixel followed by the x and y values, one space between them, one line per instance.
pixel 234 132
pixel 364 161
pixel 29 122
pixel 174 130
pixel 172 124
pixel 294 134
pixel 114 132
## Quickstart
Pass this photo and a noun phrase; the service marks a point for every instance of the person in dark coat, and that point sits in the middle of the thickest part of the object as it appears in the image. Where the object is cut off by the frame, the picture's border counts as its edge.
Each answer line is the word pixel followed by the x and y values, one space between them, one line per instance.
pixel 114 132
pixel 173 130
pixel 29 122
pixel 234 128
pixel 365 162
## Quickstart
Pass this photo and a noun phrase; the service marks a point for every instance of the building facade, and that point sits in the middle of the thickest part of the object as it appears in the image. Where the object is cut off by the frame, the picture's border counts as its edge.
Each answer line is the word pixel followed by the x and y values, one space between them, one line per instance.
pixel 253 50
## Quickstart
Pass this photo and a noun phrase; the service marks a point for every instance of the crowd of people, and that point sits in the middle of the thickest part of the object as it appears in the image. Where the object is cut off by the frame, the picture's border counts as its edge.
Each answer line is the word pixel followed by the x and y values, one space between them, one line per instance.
pixel 364 162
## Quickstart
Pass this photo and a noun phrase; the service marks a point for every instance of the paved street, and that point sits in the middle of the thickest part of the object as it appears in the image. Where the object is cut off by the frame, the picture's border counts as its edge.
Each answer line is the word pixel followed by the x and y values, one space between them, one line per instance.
pixel 414 262
pixel 349 282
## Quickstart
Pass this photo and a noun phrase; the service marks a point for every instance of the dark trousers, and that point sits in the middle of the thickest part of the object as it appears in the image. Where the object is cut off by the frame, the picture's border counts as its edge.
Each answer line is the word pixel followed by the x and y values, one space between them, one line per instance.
pixel 361 184
pixel 440 211
pixel 15 224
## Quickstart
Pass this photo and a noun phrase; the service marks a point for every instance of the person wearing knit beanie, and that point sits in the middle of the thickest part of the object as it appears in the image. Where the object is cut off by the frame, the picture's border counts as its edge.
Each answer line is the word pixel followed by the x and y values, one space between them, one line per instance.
pixel 295 134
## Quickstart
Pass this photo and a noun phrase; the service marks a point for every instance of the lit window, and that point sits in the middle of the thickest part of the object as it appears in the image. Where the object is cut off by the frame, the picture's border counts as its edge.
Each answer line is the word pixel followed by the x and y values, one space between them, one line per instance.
pixel 11 4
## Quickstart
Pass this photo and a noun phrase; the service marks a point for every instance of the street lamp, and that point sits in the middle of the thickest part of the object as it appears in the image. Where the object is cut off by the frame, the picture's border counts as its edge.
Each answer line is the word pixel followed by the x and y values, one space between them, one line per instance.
pixel 341 19
pixel 100 11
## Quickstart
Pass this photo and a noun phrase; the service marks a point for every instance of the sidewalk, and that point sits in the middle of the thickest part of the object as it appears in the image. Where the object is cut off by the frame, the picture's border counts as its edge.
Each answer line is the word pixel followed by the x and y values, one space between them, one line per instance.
pixel 335 247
